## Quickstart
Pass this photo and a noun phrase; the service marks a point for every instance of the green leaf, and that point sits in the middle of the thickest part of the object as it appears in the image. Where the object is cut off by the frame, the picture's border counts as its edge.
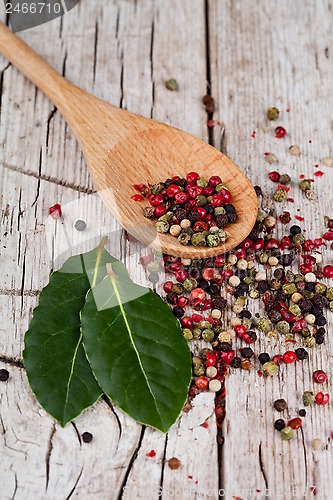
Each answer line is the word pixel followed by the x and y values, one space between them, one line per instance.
pixel 136 349
pixel 58 370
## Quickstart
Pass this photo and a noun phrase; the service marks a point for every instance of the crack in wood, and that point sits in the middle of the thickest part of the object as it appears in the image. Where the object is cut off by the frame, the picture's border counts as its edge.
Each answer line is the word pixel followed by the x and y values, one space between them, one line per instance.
pixel 50 117
pixel 23 280
pixel 305 457
pixel 38 184
pixel 15 487
pixel 77 432
pixel 2 425
pixel 11 361
pixel 131 463
pixel 48 455
pixel 1 86
pixel 95 51
pixel 210 130
pixel 163 464
pixel 48 178
pixel 261 464
pixel 75 484
pixel 63 69
pixel 151 56
pixel 110 405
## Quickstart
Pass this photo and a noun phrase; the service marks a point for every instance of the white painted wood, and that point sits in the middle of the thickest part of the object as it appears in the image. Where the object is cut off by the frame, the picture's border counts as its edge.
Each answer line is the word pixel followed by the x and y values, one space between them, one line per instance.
pixel 277 54
pixel 121 51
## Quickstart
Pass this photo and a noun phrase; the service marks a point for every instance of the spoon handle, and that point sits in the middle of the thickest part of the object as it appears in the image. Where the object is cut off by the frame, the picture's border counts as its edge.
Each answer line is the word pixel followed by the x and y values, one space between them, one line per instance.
pixel 38 71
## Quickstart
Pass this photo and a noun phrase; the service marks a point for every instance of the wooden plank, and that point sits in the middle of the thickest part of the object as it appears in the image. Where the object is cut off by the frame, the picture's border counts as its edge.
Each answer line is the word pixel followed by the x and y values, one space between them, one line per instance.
pixel 121 52
pixel 276 54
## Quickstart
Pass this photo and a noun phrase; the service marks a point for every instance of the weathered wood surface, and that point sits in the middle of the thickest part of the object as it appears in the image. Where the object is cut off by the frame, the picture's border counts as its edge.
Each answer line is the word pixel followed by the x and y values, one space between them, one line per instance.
pixel 261 55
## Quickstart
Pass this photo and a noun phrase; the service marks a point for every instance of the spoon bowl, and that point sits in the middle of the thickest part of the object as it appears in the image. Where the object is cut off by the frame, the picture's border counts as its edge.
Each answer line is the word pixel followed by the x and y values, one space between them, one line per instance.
pixel 122 149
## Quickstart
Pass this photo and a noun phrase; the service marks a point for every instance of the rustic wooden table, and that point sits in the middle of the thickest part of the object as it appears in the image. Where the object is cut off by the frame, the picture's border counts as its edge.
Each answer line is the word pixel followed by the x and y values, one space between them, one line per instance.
pixel 249 55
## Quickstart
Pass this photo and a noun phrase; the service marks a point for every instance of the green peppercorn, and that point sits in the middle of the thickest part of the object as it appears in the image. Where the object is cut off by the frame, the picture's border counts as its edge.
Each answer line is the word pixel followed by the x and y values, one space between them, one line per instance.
pixel 177 288
pixel 305 184
pixel 241 301
pixel 201 200
pixel 202 183
pixel 299 239
pixel 260 216
pixel 289 275
pixel 305 332
pixel 263 324
pixel 219 211
pixel 269 369
pixel 148 212
pixel 273 113
pixel 331 305
pixel 284 179
pixel 199 369
pixel 196 332
pixel 196 360
pixel 157 188
pixel 307 294
pixel 162 226
pixel 198 240
pixel 184 238
pixel 310 341
pixel 298 278
pixel 275 284
pixel 289 288
pixel 203 324
pixel 310 194
pixel 295 309
pixel 308 398
pixel 283 327
pixel 247 323
pixel 213 240
pixel 280 195
pixel 208 335
pixel 171 84
pixel 254 294
pixel 222 235
pixel 187 334
pixel 221 186
pixel 248 280
pixel 203 352
pixel 287 433
pixel 329 293
pixel 189 284
pixel 320 288
pixel 263 258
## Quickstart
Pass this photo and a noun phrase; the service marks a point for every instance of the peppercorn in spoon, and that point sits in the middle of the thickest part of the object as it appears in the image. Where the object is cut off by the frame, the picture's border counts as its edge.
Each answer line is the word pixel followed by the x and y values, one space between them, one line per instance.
pixel 122 149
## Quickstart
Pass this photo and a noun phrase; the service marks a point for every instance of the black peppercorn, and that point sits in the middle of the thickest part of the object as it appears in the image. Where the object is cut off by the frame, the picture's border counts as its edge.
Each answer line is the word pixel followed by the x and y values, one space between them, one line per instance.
pixel 320 339
pixel 236 362
pixel 321 321
pixel 279 273
pixel 258 190
pixel 252 335
pixel 202 283
pixel 181 214
pixel 232 218
pixel 264 357
pixel 178 311
pixel 221 221
pixel 246 352
pixel 301 353
pixel 245 314
pixel 279 424
pixel 182 183
pixel 295 230
pixel 317 311
pixel 209 209
pixel 229 208
pixel 87 437
pixel 4 375
pixel 302 412
pixel 213 288
pixel 280 405
pixel 286 259
pixel 305 305
pixel 310 286
pixel 262 286
pixel 225 347
pixel 219 303
pixel 275 316
pixel 193 217
pixel 321 331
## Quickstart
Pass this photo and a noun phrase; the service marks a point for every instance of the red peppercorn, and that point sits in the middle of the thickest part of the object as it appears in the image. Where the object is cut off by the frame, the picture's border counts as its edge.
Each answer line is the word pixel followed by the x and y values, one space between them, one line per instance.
pixel 295 423
pixel 299 325
pixel 182 301
pixel 217 200
pixel 194 191
pixel 274 176
pixel 207 305
pixel 56 212
pixel 197 317
pixel 214 180
pixel 200 226
pixel 280 132
pixel 227 357
pixel 322 398
pixel 227 196
pixel 210 359
pixel 201 211
pixel 309 260
pixel 277 359
pixel 272 243
pixel 198 294
pixel 139 187
pixel 187 322
pixel 208 273
pixel 308 245
pixel 288 316
pixel 192 177
pixel 181 198
pixel 247 243
pixel 305 268
pixel 172 190
pixel 285 243
pixel 159 211
pixel 289 357
pixel 227 274
pixel 249 339
pixel 167 287
pixel 328 271
pixel 328 236
pixel 174 267
pixel 208 191
pixel 201 382
pixel 181 275
pixel 258 244
pixel 155 200
pixel 240 253
pixel 318 242
pixel 240 331
pixel 219 261
pixel 319 376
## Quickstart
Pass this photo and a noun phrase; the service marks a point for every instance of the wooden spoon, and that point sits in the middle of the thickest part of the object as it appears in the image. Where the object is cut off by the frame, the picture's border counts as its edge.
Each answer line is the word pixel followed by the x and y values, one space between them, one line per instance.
pixel 122 149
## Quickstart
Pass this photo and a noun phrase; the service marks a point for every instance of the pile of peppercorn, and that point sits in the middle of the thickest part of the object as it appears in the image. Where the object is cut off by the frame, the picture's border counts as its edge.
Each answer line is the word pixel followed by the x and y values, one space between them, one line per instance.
pixel 194 210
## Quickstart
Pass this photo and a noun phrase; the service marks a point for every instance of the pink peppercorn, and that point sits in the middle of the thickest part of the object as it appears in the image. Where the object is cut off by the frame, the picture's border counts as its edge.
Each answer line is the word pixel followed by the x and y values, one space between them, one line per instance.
pixel 181 275
pixel 214 180
pixel 274 176
pixel 219 261
pixel 328 236
pixel 280 132
pixel 322 398
pixel 181 198
pixel 272 243
pixel 172 190
pixel 289 357
pixel 187 322
pixel 192 176
pixel 258 244
pixel 159 211
pixel 240 253
pixel 277 359
pixel 155 200
pixel 319 376
pixel 167 287
pixel 201 382
pixel 139 187
pixel 197 317
pixel 208 273
pixel 56 212
pixel 227 357
pixel 295 423
pixel 210 359
pixel 285 243
pixel 198 294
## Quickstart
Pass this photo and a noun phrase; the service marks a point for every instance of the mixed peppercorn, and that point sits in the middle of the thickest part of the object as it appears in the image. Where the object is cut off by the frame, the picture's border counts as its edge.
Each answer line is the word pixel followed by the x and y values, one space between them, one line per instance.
pixel 194 210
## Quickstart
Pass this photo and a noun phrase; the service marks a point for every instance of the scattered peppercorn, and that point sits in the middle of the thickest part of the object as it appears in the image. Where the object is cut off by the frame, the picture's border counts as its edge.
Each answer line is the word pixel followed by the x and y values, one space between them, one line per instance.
pixel 171 84
pixel 4 375
pixel 87 437
pixel 280 405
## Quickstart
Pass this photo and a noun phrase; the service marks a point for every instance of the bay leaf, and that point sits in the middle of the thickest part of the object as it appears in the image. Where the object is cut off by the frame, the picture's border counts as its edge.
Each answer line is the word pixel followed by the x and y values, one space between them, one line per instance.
pixel 57 368
pixel 136 349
